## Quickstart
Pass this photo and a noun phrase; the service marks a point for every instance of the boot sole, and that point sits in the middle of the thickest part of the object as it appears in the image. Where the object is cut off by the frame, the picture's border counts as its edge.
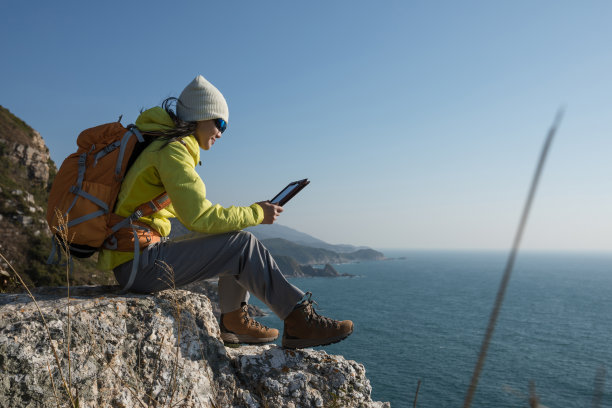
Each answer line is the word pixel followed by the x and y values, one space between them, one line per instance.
pixel 304 343
pixel 245 338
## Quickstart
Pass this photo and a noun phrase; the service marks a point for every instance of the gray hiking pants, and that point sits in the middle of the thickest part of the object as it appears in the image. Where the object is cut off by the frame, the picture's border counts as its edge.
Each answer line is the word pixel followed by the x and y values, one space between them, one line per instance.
pixel 240 261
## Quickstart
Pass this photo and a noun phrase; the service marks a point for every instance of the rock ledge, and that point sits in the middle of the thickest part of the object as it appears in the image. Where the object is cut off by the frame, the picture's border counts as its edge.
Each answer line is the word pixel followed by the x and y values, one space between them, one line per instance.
pixel 163 350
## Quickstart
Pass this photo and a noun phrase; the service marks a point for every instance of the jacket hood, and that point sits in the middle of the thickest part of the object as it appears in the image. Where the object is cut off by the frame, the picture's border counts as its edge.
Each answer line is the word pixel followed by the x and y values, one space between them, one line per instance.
pixel 156 119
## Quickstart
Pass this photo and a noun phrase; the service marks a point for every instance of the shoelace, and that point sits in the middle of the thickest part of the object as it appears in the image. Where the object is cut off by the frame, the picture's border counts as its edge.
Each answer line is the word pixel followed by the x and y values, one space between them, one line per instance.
pixel 251 322
pixel 312 315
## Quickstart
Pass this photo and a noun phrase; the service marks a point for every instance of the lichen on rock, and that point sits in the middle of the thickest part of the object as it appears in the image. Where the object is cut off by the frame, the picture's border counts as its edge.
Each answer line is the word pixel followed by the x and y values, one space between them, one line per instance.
pixel 165 349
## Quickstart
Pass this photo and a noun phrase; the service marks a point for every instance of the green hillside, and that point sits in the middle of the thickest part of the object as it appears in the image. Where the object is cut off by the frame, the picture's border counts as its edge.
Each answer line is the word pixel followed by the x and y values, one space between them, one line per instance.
pixel 305 255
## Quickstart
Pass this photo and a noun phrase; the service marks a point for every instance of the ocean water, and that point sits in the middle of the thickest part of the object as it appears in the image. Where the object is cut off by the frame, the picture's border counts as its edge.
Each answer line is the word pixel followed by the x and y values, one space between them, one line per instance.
pixel 423 317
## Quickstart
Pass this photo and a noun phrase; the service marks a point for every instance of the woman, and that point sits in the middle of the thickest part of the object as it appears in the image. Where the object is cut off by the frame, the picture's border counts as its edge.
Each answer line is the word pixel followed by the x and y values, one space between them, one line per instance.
pixel 241 262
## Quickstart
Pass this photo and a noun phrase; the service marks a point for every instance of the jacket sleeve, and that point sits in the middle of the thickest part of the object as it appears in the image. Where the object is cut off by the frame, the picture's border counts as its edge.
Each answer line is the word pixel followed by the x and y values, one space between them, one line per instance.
pixel 176 169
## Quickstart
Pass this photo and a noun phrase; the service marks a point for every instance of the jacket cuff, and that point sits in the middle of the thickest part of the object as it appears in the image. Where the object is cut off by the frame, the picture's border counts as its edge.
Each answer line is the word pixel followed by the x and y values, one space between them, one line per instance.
pixel 258 212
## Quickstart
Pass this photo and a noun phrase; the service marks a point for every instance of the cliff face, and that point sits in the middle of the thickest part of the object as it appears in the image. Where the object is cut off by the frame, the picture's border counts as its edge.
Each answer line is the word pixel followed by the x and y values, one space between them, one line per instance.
pixel 132 350
pixel 24 148
pixel 25 169
pixel 26 172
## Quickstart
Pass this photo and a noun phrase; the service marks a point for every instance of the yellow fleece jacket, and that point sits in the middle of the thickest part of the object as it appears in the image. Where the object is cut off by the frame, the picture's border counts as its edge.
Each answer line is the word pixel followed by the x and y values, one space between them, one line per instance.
pixel 172 169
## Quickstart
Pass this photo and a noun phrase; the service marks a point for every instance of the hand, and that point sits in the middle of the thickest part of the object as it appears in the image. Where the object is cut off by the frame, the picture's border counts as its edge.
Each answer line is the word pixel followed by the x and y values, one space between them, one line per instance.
pixel 271 211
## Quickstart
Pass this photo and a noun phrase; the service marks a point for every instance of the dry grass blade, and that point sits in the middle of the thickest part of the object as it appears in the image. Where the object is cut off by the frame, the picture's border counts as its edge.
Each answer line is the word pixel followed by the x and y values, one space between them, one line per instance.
pixel 177 317
pixel 510 263
pixel 179 403
pixel 600 382
pixel 534 401
pixel 195 329
pixel 416 394
pixel 57 400
pixel 130 388
pixel 139 358
pixel 62 231
pixel 157 368
pixel 46 326
pixel 100 356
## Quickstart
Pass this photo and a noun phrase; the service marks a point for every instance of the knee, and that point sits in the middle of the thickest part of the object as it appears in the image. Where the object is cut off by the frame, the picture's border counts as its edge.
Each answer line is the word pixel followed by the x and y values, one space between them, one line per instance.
pixel 242 237
pixel 246 236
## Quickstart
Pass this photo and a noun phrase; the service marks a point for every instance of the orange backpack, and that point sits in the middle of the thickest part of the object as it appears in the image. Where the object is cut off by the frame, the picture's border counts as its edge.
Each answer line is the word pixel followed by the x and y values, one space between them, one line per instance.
pixel 85 190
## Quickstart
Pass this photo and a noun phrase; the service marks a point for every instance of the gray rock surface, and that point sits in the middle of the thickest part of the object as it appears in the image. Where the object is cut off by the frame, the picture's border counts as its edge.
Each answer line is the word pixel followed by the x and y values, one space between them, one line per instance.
pixel 33 155
pixel 132 350
pixel 302 378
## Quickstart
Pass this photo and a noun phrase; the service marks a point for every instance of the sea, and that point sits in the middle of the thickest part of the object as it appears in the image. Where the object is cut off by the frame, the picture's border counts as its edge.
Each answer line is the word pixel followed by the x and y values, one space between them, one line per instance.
pixel 421 316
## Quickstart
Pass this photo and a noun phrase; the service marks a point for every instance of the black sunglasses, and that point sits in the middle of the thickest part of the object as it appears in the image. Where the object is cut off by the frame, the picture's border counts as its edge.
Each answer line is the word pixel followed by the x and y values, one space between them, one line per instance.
pixel 221 125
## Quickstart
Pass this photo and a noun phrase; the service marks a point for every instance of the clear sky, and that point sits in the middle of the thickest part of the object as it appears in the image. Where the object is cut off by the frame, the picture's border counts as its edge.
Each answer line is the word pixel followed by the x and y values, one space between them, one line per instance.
pixel 418 122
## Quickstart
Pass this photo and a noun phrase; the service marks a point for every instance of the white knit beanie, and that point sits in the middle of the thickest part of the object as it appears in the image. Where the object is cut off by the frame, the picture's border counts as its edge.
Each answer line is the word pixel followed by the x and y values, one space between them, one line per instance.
pixel 200 100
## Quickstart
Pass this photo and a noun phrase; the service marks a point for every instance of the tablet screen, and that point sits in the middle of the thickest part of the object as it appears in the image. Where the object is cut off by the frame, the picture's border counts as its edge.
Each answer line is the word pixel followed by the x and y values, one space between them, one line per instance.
pixel 279 197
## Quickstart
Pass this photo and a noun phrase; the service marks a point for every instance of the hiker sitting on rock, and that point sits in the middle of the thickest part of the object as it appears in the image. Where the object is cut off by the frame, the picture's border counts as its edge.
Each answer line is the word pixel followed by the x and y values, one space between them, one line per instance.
pixel 241 262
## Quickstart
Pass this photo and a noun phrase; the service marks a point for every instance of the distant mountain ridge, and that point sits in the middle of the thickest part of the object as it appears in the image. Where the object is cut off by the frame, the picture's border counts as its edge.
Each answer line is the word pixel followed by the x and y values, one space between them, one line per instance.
pixel 296 252
pixel 266 232
pixel 263 232
pixel 306 255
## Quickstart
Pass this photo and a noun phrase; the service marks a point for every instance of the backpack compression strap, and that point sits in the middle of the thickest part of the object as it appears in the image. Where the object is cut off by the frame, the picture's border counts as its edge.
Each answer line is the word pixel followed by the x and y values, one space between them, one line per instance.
pixel 157 204
pixel 77 188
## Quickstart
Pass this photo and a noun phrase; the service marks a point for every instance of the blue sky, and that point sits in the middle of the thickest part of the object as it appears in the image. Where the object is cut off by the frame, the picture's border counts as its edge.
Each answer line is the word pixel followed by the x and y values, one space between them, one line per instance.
pixel 418 123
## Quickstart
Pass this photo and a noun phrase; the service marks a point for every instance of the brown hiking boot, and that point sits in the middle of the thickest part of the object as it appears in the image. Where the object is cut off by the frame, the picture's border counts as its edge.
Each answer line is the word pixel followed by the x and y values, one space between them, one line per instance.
pixel 238 327
pixel 305 328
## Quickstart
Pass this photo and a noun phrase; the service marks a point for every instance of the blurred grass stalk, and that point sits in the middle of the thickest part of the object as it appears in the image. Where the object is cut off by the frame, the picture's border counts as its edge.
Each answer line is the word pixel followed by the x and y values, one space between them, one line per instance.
pixel 66 383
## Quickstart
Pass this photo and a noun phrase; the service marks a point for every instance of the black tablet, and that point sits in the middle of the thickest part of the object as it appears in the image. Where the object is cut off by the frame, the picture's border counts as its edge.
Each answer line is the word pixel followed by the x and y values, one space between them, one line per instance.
pixel 289 192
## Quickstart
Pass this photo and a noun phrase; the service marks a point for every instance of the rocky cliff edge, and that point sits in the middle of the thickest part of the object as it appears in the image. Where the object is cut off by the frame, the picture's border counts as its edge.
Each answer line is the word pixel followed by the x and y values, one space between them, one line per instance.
pixel 155 350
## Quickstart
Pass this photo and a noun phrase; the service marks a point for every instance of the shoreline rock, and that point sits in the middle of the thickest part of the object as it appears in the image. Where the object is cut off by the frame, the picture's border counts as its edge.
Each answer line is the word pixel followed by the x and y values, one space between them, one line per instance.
pixel 130 349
